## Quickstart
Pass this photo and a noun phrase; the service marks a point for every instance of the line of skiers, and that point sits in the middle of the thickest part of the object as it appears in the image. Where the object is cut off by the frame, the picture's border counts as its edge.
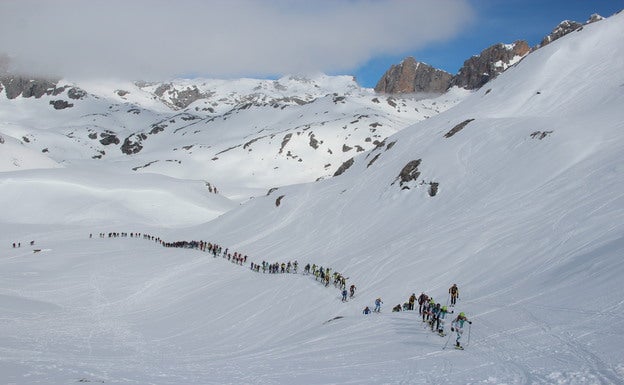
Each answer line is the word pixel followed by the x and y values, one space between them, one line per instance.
pixel 212 248
pixel 323 274
pixel 274 268
pixel 431 312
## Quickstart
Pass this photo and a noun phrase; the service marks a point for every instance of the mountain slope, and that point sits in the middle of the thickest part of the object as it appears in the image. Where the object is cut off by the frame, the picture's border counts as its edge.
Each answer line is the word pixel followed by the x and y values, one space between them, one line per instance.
pixel 527 217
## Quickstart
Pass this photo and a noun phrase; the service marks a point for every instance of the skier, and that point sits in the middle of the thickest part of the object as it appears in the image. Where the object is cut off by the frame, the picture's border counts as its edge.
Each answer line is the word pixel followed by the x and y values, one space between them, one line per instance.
pixel 366 310
pixel 435 314
pixel 412 300
pixel 422 300
pixel 378 303
pixel 458 326
pixel 352 291
pixel 397 308
pixel 454 292
pixel 427 307
pixel 344 295
pixel 440 321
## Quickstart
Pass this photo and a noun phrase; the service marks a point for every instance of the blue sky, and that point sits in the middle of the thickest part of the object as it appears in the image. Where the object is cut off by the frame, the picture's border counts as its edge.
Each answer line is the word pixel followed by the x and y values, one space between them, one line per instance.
pixel 496 21
pixel 158 40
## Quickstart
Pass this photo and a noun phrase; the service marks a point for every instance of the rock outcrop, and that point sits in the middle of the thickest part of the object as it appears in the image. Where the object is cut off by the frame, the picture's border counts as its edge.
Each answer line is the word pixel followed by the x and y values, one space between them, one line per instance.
pixel 492 61
pixel 565 27
pixel 20 86
pixel 179 99
pixel 412 76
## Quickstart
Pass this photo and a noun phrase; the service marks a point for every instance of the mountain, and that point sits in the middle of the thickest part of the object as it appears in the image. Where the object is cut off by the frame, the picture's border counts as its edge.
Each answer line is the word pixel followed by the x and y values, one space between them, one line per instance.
pixel 296 129
pixel 411 76
pixel 513 192
pixel 566 27
pixel 491 62
pixel 510 194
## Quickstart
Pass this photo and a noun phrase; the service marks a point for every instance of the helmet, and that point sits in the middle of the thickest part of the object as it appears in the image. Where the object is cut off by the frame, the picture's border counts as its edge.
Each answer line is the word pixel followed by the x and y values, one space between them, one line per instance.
pixel 444 308
pixel 462 314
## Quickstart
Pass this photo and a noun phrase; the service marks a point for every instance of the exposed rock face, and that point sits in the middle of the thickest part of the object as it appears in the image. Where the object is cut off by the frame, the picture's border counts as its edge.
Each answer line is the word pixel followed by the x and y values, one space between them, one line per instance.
pixel 76 93
pixel 344 167
pixel 130 146
pixel 412 76
pixel 484 67
pixel 16 86
pixel 180 99
pixel 457 128
pixel 61 104
pixel 108 138
pixel 564 28
pixel 409 173
pixel 593 18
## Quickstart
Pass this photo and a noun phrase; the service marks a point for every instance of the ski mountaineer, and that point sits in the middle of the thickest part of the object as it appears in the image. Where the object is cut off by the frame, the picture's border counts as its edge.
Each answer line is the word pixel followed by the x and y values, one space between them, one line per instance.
pixel 435 313
pixel 352 291
pixel 440 321
pixel 378 303
pixel 344 295
pixel 458 326
pixel 422 299
pixel 366 310
pixel 454 292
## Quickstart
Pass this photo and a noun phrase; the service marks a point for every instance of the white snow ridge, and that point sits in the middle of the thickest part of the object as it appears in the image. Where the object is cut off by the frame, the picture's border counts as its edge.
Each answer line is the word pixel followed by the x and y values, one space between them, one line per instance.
pixel 514 192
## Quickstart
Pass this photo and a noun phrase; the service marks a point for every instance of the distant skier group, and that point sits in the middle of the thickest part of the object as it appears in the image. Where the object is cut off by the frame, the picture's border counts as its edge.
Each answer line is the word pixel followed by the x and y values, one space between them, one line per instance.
pixel 19 244
pixel 276 267
pixel 433 313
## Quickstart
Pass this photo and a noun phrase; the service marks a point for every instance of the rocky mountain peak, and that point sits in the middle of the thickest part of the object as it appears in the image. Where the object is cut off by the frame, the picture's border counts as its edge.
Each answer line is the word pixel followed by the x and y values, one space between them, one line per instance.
pixel 565 27
pixel 413 76
pixel 593 18
pixel 485 66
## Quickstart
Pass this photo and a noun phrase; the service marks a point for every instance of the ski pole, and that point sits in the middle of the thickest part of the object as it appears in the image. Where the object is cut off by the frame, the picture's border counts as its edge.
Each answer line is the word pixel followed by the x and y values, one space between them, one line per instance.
pixel 447 341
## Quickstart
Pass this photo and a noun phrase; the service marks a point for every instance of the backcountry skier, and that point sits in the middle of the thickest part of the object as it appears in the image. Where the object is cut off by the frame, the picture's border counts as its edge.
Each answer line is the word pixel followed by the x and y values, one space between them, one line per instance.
pixel 458 326
pixel 454 292
pixel 378 303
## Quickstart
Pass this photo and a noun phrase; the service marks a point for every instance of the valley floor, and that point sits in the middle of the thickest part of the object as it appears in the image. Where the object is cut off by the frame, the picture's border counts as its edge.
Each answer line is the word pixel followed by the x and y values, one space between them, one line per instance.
pixel 128 311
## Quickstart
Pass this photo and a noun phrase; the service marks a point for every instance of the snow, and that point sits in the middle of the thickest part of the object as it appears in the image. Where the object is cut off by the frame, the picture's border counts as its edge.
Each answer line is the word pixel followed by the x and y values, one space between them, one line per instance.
pixel 530 229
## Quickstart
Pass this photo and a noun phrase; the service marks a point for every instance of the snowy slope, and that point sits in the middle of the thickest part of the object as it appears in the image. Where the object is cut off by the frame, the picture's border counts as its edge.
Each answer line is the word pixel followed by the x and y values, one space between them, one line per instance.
pixel 527 217
pixel 15 156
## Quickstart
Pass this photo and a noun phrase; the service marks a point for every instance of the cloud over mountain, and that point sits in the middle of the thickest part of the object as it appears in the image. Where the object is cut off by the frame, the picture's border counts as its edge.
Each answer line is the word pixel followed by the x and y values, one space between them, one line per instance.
pixel 162 39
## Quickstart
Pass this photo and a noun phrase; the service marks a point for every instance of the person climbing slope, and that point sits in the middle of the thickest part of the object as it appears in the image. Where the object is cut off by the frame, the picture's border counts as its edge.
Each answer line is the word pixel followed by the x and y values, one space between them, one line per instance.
pixel 458 327
pixel 454 292
pixel 378 303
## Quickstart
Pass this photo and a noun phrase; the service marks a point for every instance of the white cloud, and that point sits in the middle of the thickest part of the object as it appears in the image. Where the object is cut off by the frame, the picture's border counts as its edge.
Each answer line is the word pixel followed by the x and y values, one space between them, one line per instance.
pixel 158 39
